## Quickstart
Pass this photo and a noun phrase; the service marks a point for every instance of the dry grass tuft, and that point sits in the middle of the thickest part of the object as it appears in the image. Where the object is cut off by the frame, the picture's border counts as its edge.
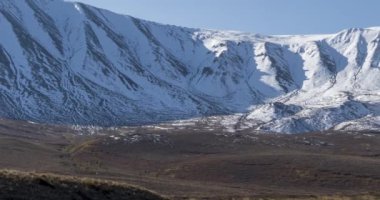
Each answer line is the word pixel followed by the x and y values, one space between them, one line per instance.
pixel 32 186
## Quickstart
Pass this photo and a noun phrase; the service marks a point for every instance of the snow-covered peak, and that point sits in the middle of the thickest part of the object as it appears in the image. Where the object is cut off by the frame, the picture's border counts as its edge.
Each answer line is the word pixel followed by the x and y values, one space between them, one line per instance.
pixel 64 62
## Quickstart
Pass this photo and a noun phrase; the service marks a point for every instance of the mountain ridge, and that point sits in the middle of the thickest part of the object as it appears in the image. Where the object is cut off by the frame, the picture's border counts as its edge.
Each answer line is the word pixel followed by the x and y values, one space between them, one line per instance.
pixel 71 63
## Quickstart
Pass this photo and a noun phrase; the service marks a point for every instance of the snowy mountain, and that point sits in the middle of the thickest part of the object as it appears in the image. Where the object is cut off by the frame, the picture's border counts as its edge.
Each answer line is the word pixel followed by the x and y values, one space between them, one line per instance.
pixel 71 63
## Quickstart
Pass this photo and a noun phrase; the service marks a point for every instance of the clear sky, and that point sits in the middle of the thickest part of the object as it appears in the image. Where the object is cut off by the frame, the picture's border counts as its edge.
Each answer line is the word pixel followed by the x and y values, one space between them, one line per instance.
pixel 258 16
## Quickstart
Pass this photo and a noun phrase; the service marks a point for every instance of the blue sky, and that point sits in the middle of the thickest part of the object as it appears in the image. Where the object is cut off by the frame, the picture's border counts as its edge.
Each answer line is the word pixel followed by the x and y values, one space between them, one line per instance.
pixel 258 16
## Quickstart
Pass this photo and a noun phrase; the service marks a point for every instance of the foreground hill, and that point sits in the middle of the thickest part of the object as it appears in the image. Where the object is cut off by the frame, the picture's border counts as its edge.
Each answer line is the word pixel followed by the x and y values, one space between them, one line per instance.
pixel 31 186
pixel 71 63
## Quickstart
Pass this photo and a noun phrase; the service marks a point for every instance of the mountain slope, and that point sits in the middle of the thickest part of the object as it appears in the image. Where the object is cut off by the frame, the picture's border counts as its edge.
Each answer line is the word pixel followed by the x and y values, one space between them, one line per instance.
pixel 75 64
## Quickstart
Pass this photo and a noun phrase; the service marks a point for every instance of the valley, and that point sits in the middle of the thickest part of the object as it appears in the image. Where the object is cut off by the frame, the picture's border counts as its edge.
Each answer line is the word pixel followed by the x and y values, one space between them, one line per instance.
pixel 187 164
pixel 100 105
